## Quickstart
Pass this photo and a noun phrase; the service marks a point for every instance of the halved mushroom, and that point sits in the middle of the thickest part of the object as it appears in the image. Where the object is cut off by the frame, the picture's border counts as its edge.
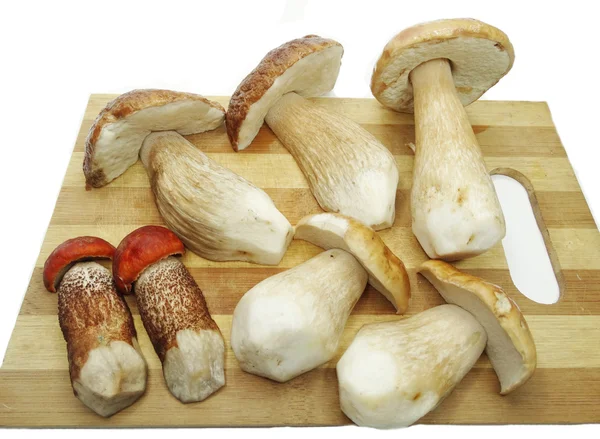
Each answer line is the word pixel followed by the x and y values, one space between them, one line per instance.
pixel 347 169
pixel 216 213
pixel 292 322
pixel 396 372
pixel 106 366
pixel 115 138
pixel 510 345
pixel 186 339
pixel 386 272
pixel 435 69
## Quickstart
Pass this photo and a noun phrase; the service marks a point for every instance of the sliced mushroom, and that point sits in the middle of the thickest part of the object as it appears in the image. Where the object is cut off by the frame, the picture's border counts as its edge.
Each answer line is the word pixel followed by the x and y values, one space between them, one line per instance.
pixel 386 272
pixel 394 373
pixel 186 339
pixel 435 69
pixel 216 213
pixel 347 169
pixel 510 345
pixel 292 322
pixel 106 366
pixel 115 138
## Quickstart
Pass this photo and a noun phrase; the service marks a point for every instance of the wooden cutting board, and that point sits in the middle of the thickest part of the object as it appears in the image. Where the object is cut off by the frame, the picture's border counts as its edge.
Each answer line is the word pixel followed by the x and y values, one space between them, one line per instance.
pixel 518 138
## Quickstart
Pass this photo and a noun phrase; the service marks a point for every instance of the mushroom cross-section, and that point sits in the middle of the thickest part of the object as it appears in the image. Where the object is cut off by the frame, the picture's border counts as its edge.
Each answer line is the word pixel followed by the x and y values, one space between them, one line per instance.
pixel 386 272
pixel 348 170
pixel 115 138
pixel 106 366
pixel 434 69
pixel 510 346
pixel 186 339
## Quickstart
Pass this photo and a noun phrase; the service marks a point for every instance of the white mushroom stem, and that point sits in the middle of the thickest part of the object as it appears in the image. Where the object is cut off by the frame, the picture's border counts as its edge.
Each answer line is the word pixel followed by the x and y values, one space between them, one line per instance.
pixel 348 170
pixel 455 209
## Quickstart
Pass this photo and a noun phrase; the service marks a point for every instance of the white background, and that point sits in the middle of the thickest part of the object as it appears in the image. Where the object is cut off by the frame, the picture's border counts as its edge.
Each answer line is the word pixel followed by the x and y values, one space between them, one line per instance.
pixel 53 55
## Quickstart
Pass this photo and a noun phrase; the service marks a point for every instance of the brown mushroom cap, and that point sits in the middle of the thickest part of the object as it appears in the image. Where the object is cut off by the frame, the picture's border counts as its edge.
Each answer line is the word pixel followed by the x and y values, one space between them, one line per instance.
pixel 115 138
pixel 308 66
pixel 480 55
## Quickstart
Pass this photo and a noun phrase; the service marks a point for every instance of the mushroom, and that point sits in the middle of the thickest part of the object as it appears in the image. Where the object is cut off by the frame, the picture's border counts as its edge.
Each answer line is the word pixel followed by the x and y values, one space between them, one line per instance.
pixel 292 322
pixel 106 366
pixel 434 69
pixel 386 272
pixel 394 373
pixel 115 138
pixel 347 169
pixel 216 213
pixel 186 339
pixel 510 345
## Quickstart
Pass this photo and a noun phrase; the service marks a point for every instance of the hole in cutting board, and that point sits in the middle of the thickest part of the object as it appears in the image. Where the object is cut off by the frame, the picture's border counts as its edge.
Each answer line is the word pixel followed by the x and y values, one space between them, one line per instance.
pixel 525 248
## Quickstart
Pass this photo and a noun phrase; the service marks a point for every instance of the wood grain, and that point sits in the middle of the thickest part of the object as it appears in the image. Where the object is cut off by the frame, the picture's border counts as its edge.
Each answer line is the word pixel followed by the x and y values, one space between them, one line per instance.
pixel 517 138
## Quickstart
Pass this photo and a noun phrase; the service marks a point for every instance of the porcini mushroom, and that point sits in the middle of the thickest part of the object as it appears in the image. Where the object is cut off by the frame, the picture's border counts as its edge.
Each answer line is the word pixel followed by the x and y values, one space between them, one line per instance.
pixel 115 138
pixel 217 214
pixel 186 339
pixel 347 169
pixel 386 272
pixel 106 366
pixel 394 373
pixel 510 346
pixel 434 69
pixel 292 322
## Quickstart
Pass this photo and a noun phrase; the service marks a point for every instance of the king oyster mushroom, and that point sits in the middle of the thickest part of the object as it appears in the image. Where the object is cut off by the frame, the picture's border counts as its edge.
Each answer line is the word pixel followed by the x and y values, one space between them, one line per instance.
pixel 216 213
pixel 394 373
pixel 435 69
pixel 510 346
pixel 347 169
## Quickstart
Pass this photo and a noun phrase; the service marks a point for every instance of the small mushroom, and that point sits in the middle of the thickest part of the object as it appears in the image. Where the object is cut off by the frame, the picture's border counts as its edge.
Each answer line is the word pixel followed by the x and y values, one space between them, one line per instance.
pixel 106 366
pixel 394 373
pixel 434 69
pixel 216 213
pixel 186 339
pixel 115 138
pixel 386 272
pixel 510 345
pixel 347 169
pixel 292 322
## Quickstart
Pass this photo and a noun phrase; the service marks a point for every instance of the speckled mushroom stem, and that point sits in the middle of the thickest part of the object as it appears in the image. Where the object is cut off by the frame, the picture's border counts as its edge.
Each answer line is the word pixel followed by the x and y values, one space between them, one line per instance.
pixel 455 209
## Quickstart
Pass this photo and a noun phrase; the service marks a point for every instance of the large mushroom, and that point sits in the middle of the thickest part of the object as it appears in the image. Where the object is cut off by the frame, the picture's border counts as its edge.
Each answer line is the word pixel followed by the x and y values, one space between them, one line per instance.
pixel 435 69
pixel 292 322
pixel 510 346
pixel 186 339
pixel 106 366
pixel 347 169
pixel 386 271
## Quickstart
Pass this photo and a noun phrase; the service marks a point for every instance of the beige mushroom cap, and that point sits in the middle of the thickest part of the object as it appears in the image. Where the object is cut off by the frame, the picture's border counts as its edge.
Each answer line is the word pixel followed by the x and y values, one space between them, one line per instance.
pixel 115 138
pixel 308 66
pixel 387 273
pixel 510 346
pixel 480 56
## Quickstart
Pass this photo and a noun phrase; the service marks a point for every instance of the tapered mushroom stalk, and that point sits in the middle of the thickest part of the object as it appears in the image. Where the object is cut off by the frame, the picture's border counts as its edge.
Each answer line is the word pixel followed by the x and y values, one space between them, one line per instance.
pixel 434 69
pixel 348 170
pixel 106 366
pixel 186 339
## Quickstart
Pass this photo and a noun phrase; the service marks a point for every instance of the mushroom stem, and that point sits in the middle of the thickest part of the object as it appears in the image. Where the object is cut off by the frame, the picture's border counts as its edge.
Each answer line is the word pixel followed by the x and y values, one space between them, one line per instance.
pixel 347 169
pixel 455 209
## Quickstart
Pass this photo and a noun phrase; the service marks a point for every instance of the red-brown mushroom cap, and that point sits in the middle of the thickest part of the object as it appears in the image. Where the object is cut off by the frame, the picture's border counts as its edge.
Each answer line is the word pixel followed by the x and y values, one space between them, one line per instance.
pixel 140 249
pixel 83 248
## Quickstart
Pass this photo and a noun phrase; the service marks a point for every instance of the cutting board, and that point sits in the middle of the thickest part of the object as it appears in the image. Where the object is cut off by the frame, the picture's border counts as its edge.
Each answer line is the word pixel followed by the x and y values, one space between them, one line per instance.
pixel 517 138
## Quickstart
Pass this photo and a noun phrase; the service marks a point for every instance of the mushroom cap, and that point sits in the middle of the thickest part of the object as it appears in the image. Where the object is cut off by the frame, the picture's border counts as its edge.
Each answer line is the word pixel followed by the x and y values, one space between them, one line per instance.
pixel 387 273
pixel 140 249
pixel 510 345
pixel 115 138
pixel 82 248
pixel 480 55
pixel 308 66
